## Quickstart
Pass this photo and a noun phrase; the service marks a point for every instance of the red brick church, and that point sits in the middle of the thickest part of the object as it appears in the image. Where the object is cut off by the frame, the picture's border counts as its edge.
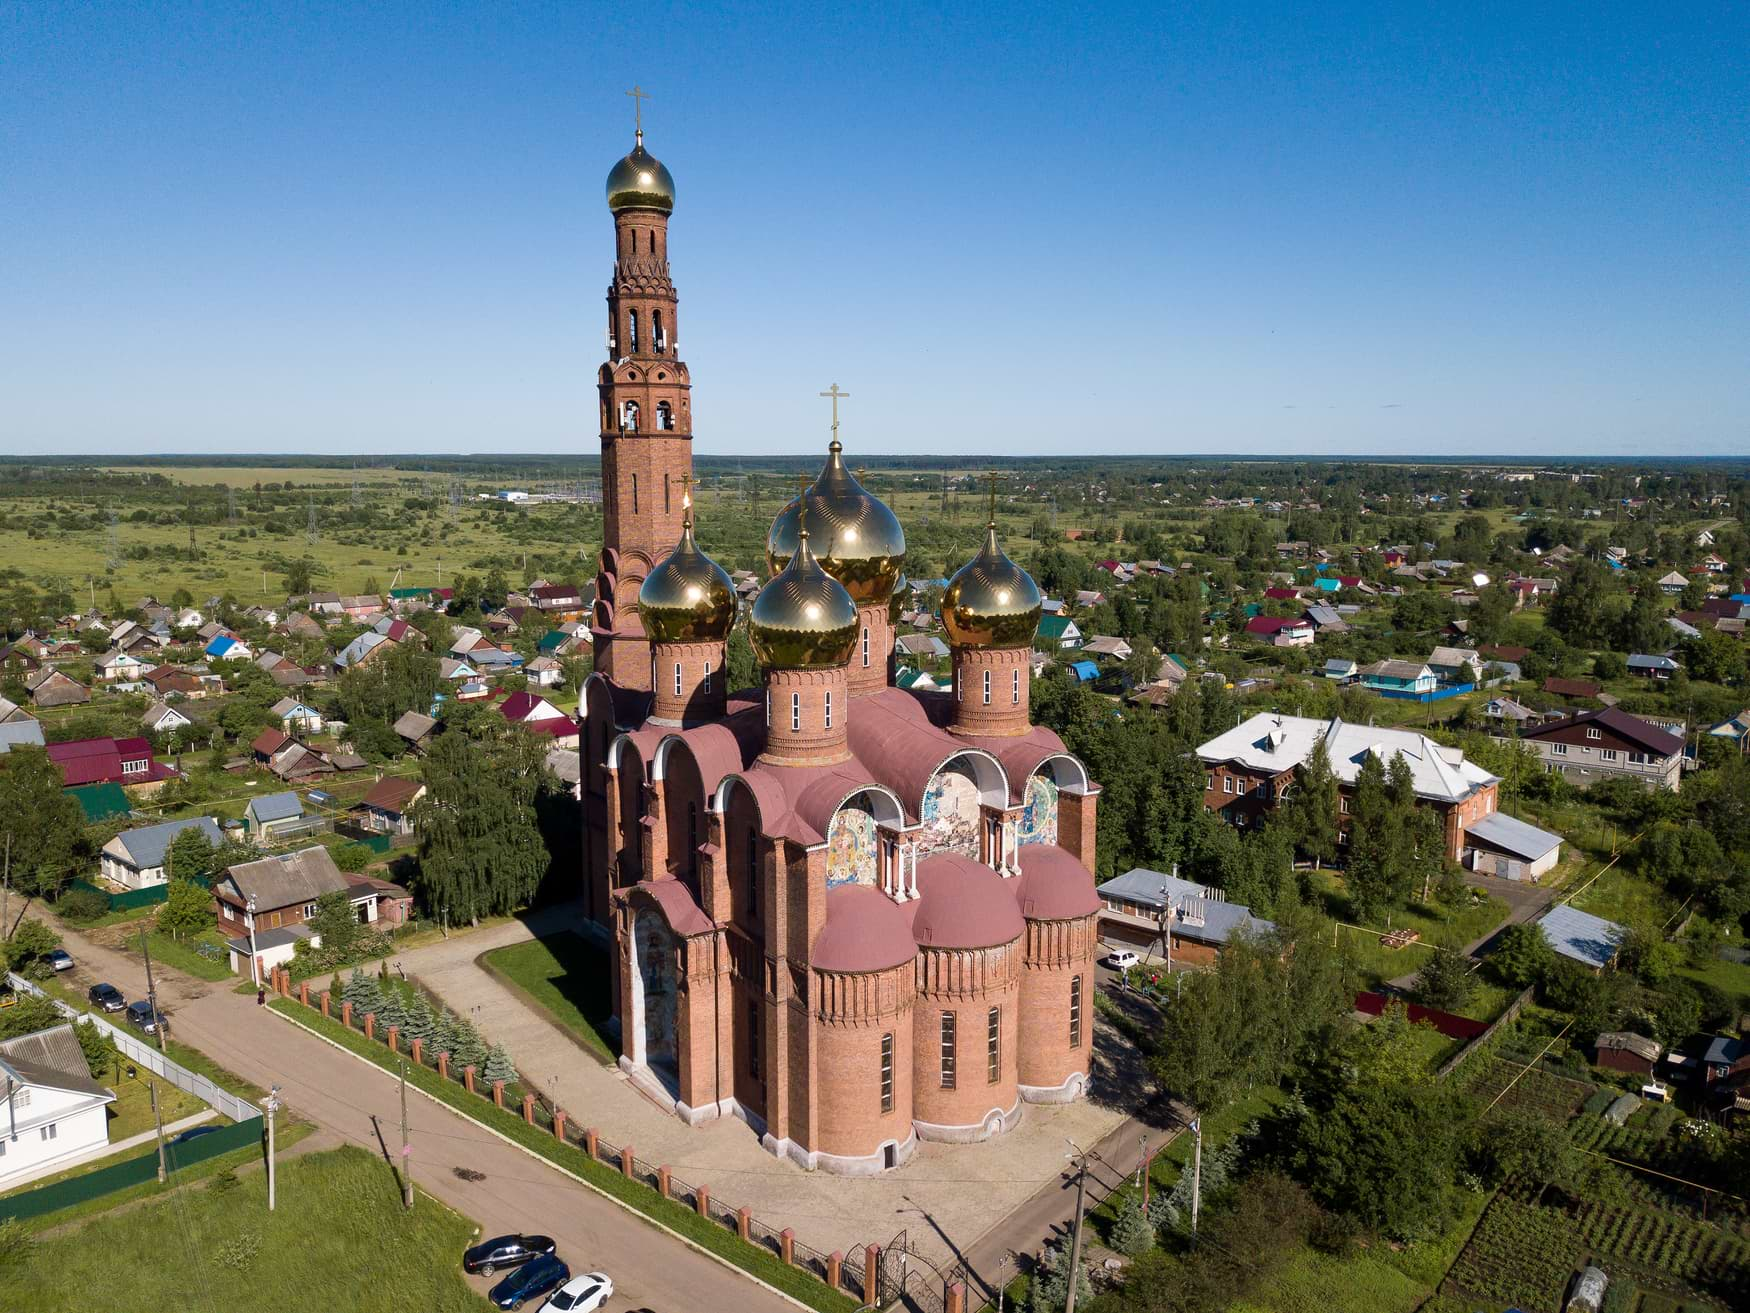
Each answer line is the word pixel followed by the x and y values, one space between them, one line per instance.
pixel 851 915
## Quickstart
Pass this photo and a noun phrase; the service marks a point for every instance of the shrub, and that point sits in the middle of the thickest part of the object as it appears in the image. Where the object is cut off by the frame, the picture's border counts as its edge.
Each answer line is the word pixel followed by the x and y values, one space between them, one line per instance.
pixel 81 906
pixel 352 856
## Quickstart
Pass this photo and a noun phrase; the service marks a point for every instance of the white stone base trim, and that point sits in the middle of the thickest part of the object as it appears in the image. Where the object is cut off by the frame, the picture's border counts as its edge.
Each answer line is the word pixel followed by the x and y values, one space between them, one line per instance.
pixel 994 1123
pixel 1068 1092
pixel 649 1083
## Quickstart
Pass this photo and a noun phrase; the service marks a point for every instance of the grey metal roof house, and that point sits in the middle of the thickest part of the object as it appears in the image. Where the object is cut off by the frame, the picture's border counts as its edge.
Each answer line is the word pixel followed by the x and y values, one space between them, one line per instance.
pixel 1587 939
pixel 1198 912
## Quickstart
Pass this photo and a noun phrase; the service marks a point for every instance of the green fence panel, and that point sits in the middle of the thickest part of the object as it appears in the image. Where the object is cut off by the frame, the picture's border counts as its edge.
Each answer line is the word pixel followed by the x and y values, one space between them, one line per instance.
pixel 127 899
pixel 130 1172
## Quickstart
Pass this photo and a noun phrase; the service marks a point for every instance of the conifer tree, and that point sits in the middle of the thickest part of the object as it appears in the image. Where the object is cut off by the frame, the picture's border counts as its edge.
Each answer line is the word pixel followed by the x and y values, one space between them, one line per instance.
pixel 499 1065
pixel 1131 1233
pixel 1311 807
pixel 468 1049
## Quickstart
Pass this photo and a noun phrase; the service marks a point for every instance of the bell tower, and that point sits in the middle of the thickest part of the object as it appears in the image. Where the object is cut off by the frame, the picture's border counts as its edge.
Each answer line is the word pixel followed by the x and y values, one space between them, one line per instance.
pixel 646 412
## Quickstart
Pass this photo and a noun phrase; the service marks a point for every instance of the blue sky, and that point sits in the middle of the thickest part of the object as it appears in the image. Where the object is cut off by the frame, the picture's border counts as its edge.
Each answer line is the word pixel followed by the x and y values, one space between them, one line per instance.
pixel 1473 228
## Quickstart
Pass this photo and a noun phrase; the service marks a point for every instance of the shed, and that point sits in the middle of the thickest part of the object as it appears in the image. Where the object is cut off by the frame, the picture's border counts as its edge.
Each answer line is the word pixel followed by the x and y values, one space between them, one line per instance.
pixel 1623 1050
pixel 1504 846
pixel 1586 939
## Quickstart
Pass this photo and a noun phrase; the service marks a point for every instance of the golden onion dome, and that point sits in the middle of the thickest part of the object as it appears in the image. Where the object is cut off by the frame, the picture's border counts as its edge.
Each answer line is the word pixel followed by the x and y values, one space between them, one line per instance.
pixel 640 182
pixel 688 597
pixel 858 539
pixel 991 601
pixel 803 618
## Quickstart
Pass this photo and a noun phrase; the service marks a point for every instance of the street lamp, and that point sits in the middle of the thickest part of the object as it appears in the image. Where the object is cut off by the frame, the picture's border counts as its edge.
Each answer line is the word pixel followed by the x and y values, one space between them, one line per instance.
pixel 254 962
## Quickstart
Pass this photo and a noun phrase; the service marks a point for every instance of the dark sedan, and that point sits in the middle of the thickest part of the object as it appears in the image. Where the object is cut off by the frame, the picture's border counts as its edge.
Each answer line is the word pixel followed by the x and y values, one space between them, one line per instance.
pixel 143 1016
pixel 505 1251
pixel 107 997
pixel 541 1274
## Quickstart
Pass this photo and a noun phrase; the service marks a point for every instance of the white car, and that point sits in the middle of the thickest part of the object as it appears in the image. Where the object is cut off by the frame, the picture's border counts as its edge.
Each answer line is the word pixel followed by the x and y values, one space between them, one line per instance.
pixel 582 1294
pixel 1122 960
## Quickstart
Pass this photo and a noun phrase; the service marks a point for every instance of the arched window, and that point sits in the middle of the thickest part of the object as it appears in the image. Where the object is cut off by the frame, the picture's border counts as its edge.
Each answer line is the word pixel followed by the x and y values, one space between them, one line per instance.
pixel 632 330
pixel 629 416
pixel 664 417
pixel 653 241
pixel 657 339
pixel 634 494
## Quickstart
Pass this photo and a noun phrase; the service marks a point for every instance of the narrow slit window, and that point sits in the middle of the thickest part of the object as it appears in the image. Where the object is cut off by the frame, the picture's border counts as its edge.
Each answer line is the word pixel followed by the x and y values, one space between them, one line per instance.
pixel 677 679
pixel 795 713
pixel 948 1050
pixel 987 688
pixel 887 1072
pixel 865 645
pixel 634 492
pixel 994 1045
pixel 632 330
pixel 1075 1012
pixel 753 1039
pixel 706 684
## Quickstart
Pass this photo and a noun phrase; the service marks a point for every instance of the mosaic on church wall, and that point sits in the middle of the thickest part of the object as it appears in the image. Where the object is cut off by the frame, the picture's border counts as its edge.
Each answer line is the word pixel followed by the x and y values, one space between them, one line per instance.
pixel 950 815
pixel 1039 814
pixel 656 970
pixel 850 848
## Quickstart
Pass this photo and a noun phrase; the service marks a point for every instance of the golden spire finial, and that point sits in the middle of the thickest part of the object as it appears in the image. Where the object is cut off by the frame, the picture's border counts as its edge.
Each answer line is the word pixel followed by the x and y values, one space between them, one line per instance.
pixel 639 96
pixel 992 479
pixel 836 395
pixel 687 500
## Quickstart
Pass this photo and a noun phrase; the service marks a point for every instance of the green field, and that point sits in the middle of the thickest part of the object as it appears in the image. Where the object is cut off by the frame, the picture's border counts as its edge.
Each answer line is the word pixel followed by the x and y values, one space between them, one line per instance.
pixel 216 1246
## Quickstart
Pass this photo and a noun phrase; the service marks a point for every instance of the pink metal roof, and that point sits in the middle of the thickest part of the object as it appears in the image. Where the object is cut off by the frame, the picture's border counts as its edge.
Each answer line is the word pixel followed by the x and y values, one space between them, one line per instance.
pixel 965 904
pixel 865 930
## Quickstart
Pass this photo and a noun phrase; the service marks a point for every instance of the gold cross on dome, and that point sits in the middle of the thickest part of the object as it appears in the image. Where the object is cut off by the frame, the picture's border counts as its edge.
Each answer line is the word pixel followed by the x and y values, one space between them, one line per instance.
pixel 835 394
pixel 639 96
pixel 992 479
pixel 687 482
pixel 802 501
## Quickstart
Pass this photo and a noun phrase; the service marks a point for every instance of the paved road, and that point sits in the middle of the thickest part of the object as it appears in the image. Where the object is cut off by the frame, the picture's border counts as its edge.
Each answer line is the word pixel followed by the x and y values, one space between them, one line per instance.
pixel 342 1095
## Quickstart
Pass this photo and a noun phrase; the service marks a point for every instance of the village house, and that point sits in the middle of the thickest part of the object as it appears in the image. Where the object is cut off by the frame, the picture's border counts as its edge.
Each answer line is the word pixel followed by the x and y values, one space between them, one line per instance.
pixel 534 712
pixel 1455 665
pixel 128 762
pixel 50 688
pixel 1249 768
pixel 162 718
pixel 277 817
pixel 387 807
pixel 1623 1050
pixel 297 717
pixel 136 858
pixel 172 681
pixel 114 667
pixel 264 905
pixel 1059 629
pixel 415 729
pixel 1105 645
pixel 1402 678
pixel 1595 745
pixel 1282 631
pixel 565 601
pixel 56 1111
pixel 1650 666
pixel 1142 909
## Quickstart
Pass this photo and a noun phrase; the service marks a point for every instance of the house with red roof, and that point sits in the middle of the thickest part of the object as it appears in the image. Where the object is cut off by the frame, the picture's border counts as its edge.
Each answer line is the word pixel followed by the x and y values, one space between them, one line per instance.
pixel 534 712
pixel 109 761
pixel 563 600
pixel 1282 631
pixel 1281 594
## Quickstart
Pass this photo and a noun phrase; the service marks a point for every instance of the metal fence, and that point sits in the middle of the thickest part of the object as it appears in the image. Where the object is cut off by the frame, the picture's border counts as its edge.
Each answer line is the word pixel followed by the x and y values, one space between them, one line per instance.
pixel 131 1172
pixel 138 1051
pixel 126 900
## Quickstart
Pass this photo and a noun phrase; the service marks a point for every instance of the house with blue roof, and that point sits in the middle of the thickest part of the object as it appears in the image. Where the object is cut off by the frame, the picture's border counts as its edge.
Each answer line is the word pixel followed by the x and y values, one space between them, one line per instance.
pixel 137 858
pixel 1202 921
pixel 275 817
pixel 1086 671
pixel 228 647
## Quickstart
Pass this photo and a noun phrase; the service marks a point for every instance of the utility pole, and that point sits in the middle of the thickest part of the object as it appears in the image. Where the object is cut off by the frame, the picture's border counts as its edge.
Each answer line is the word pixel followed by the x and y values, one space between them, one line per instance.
pixel 1196 1172
pixel 272 1104
pixel 1075 1245
pixel 406 1149
pixel 151 993
pixel 158 1121
pixel 6 884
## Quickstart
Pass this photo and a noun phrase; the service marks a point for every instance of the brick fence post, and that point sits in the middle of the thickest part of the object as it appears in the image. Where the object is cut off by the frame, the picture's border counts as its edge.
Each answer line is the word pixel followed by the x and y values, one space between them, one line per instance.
pixel 626 1168
pixel 370 1025
pixel 498 1093
pixel 304 992
pixel 286 982
pixel 559 1123
pixel 871 1272
pixel 418 1051
pixel 468 1077
pixel 744 1223
pixel 325 1002
pixel 444 1065
pixel 529 1109
pixel 702 1201
pixel 662 1182
pixel 787 1245
pixel 835 1268
pixel 346 1015
pixel 590 1139
pixel 956 1297
pixel 394 1039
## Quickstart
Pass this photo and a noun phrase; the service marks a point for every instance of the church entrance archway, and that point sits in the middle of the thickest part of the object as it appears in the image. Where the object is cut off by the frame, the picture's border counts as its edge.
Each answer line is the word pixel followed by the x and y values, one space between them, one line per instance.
pixel 655 997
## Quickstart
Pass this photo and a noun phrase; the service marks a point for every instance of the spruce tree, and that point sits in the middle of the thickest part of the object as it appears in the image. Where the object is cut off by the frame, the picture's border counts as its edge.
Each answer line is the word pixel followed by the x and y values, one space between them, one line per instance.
pixel 499 1065
pixel 1131 1233
pixel 420 1024
pixel 470 1049
pixel 443 1034
pixel 1311 806
pixel 1050 1287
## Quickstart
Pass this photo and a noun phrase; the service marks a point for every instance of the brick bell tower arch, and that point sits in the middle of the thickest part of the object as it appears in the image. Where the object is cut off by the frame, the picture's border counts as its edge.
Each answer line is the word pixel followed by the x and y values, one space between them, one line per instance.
pixel 646 415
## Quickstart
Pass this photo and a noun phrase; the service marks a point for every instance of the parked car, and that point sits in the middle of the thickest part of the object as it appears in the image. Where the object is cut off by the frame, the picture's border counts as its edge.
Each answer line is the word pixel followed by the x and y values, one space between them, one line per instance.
pixel 541 1275
pixel 141 1015
pixel 107 997
pixel 584 1294
pixel 61 960
pixel 505 1251
pixel 1122 959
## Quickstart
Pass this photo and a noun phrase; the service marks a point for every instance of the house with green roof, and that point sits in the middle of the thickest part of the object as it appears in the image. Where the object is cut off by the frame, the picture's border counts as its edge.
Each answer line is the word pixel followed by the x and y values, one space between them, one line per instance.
pixel 1059 630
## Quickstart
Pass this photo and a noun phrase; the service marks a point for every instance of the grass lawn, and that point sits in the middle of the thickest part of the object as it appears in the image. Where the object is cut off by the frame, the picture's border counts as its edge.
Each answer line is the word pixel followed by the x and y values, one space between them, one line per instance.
pixel 567 977
pixel 131 1112
pixel 1731 977
pixel 216 1246
pixel 1377 963
pixel 182 955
